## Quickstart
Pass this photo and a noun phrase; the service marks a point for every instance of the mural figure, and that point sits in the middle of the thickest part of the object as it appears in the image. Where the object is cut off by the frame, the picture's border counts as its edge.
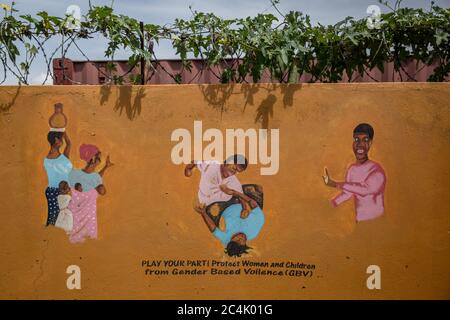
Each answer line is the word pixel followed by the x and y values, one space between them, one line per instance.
pixel 65 217
pixel 84 202
pixel 243 221
pixel 214 174
pixel 365 179
pixel 72 193
pixel 57 165
pixel 222 197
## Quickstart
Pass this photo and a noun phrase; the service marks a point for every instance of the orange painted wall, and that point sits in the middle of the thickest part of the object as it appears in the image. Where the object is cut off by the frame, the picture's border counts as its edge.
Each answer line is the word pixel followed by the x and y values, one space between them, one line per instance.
pixel 147 213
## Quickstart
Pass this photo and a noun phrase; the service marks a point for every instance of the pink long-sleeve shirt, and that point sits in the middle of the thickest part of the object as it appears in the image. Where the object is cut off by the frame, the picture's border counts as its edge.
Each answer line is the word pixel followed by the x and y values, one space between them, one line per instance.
pixel 365 183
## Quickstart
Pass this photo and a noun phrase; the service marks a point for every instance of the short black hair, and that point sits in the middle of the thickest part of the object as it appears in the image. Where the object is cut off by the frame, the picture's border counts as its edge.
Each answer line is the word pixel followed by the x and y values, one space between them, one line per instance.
pixel 53 135
pixel 364 128
pixel 237 159
pixel 62 184
pixel 234 249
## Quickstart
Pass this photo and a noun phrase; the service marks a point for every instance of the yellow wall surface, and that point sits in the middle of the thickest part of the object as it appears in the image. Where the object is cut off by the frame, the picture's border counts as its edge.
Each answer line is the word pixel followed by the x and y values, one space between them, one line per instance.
pixel 147 212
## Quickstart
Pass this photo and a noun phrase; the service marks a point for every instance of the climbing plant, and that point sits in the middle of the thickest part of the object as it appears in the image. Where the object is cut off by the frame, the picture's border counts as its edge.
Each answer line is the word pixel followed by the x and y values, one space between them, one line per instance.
pixel 286 46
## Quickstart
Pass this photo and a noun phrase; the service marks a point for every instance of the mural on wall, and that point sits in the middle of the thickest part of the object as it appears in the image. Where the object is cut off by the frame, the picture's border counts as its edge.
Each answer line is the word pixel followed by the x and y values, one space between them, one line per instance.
pixel 262 218
pixel 72 193
pixel 231 211
pixel 365 179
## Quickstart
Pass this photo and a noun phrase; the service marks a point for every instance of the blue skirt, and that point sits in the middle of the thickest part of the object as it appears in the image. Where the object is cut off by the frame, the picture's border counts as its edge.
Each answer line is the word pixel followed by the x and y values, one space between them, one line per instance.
pixel 52 202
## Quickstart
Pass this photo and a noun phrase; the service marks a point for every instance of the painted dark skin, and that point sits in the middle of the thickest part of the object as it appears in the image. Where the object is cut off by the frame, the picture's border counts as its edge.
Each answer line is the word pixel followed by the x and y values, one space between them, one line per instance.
pixel 64 188
pixel 55 152
pixel 226 170
pixel 239 238
pixel 361 146
pixel 248 204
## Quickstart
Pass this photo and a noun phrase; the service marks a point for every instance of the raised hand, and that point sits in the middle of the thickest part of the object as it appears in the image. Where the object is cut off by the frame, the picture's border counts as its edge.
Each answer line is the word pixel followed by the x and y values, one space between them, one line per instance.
pixel 107 165
pixel 108 162
pixel 327 179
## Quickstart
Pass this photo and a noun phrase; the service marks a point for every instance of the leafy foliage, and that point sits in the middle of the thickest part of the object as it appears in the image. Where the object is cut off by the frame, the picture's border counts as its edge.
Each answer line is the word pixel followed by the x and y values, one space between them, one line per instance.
pixel 286 46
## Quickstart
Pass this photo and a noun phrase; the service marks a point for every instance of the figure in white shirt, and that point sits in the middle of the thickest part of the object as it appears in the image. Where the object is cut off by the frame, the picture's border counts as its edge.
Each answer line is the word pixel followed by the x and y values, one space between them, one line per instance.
pixel 65 217
pixel 214 175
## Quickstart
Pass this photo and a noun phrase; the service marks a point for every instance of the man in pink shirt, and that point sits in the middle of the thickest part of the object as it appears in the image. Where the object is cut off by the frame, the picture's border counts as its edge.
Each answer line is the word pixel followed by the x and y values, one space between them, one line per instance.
pixel 365 179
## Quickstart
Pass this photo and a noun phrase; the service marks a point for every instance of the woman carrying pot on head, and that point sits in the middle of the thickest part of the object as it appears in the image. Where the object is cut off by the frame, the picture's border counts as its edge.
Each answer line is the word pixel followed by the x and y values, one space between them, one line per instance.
pixel 58 167
pixel 56 164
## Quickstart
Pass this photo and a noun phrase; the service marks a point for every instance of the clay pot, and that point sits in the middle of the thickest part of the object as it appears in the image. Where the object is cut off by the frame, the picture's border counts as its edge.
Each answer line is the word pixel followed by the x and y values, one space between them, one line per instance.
pixel 58 119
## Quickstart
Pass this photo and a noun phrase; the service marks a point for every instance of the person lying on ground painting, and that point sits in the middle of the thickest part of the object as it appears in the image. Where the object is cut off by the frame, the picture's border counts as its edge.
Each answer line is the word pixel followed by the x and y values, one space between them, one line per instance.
pixel 58 167
pixel 84 204
pixel 365 179
pixel 243 222
pixel 214 174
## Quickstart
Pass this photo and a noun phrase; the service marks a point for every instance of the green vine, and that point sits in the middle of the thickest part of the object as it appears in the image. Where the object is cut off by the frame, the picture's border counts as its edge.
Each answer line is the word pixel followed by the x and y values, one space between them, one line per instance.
pixel 285 46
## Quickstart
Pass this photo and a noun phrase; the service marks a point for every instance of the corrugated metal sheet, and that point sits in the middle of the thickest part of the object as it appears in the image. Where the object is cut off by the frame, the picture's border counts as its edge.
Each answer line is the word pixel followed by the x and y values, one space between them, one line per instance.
pixel 95 72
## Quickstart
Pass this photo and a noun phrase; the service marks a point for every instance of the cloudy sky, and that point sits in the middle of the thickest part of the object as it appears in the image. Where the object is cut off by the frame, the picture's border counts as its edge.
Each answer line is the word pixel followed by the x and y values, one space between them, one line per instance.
pixel 166 11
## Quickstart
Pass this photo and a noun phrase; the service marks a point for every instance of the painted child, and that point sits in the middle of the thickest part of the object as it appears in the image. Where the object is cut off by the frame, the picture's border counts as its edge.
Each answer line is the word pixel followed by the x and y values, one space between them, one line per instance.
pixel 65 217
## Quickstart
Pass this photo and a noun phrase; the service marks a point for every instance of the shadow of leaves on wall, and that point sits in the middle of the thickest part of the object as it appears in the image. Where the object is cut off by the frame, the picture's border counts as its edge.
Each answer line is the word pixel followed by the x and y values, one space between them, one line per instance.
pixel 265 111
pixel 218 96
pixel 6 106
pixel 105 92
pixel 128 100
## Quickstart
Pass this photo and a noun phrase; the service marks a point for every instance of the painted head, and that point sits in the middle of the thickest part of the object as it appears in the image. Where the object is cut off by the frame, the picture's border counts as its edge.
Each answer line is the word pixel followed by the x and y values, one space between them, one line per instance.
pixel 362 141
pixel 63 187
pixel 55 139
pixel 237 245
pixel 78 187
pixel 91 154
pixel 234 164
